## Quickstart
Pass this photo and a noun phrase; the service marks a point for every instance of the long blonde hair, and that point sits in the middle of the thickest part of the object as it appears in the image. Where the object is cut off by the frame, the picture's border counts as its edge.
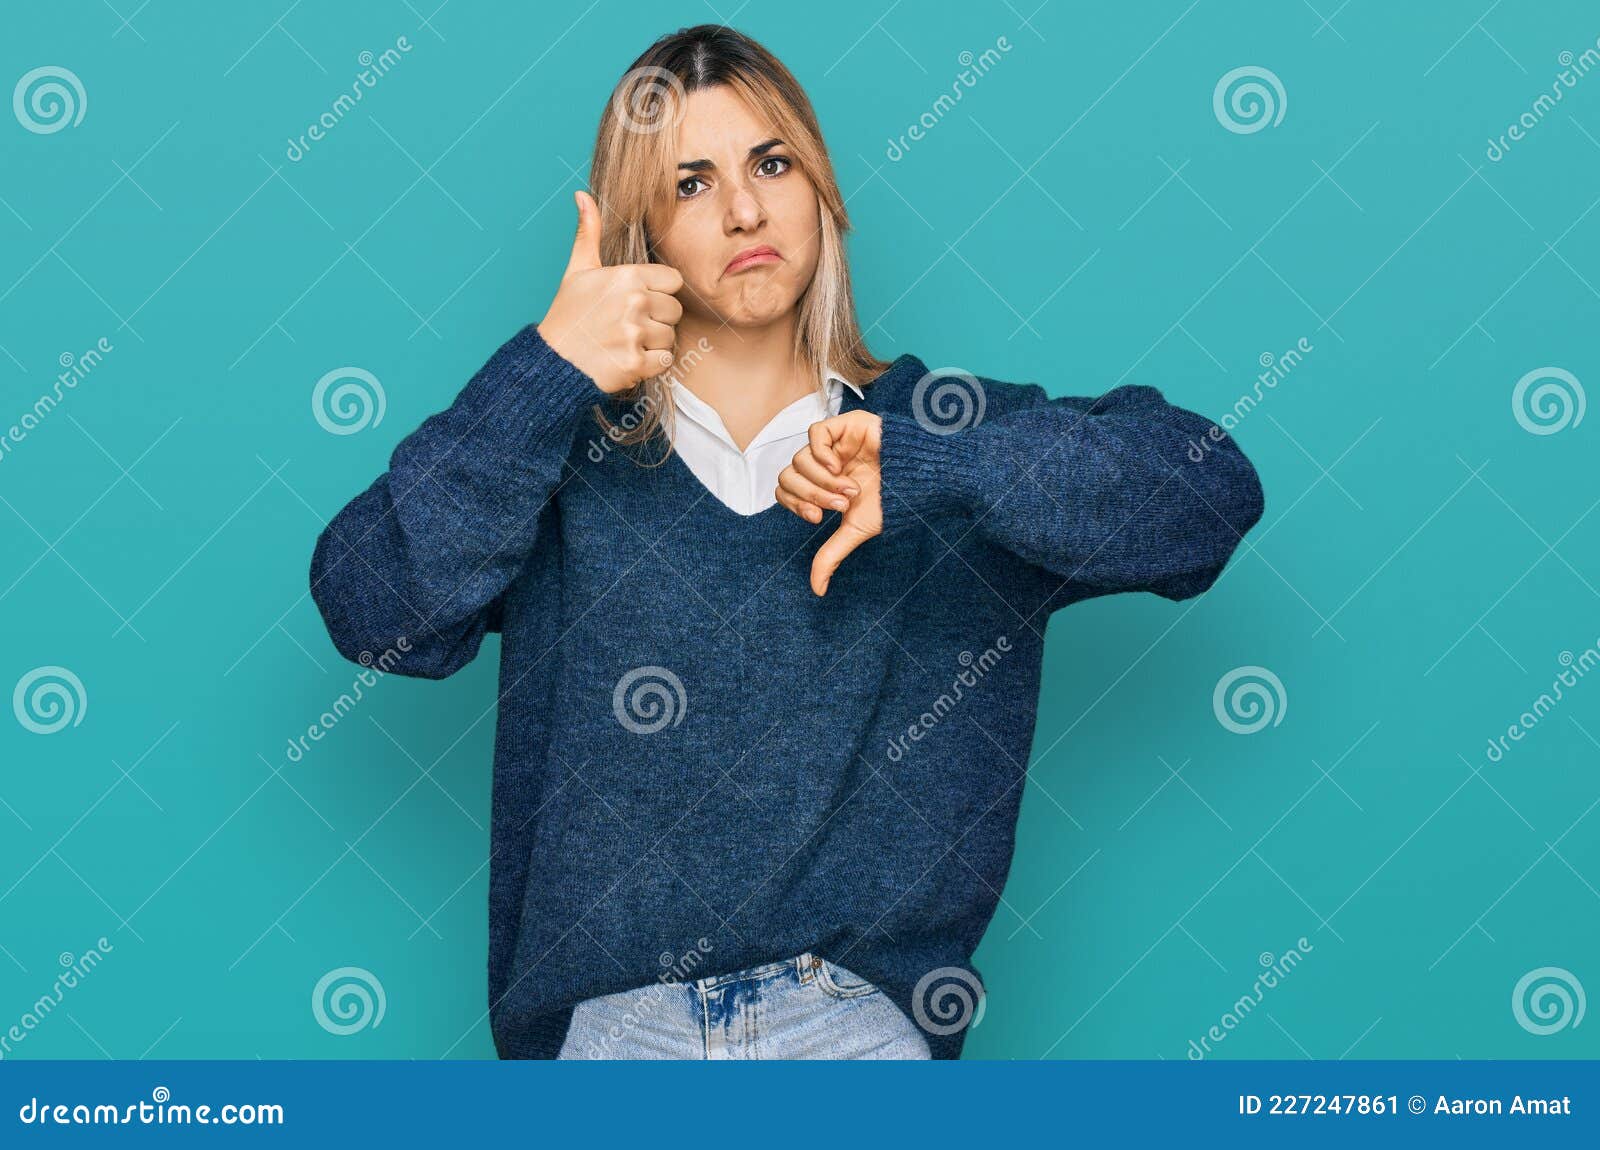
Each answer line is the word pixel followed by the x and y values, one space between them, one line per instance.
pixel 633 172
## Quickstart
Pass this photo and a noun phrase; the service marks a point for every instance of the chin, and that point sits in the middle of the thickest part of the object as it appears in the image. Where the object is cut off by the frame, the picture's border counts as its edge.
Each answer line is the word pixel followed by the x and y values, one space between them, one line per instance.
pixel 757 313
pixel 748 319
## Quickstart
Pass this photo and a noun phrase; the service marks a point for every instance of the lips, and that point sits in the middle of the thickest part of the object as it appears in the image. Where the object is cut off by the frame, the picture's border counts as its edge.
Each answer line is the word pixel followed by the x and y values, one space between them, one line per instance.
pixel 751 257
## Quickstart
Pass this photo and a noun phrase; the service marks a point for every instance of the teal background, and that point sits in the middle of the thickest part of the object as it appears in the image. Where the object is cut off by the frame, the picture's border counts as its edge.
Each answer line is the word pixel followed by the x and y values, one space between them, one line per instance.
pixel 1082 219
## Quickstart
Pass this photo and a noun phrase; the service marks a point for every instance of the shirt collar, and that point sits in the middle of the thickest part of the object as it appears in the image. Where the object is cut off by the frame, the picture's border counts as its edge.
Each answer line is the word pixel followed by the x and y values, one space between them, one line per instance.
pixel 833 376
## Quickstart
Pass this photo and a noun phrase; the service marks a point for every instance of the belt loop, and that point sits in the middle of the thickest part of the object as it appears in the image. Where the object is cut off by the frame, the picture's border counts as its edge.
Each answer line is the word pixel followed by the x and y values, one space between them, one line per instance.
pixel 803 966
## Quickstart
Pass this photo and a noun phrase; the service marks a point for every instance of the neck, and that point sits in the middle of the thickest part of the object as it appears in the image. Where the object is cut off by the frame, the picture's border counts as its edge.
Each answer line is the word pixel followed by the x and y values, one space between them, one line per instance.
pixel 749 375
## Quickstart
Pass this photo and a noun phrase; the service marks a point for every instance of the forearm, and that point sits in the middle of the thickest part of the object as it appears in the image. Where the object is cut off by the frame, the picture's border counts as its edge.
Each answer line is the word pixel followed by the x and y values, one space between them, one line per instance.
pixel 426 550
pixel 1121 493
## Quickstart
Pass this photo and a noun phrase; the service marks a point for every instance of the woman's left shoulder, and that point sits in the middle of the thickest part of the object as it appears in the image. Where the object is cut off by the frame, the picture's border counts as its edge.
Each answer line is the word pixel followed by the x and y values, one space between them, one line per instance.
pixel 911 387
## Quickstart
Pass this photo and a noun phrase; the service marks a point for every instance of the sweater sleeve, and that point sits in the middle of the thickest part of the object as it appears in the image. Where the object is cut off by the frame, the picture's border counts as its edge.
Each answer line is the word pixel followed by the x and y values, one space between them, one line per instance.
pixel 1123 492
pixel 426 551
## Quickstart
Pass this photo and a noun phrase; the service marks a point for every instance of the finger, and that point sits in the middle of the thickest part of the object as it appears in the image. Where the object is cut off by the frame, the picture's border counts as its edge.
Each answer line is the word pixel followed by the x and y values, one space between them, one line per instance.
pixel 586 244
pixel 661 278
pixel 792 481
pixel 806 463
pixel 656 336
pixel 848 435
pixel 807 511
pixel 661 306
pixel 821 436
pixel 831 554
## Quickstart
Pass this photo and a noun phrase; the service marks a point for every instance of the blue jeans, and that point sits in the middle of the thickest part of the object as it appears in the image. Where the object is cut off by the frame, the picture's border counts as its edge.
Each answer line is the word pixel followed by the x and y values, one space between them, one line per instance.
pixel 802 1007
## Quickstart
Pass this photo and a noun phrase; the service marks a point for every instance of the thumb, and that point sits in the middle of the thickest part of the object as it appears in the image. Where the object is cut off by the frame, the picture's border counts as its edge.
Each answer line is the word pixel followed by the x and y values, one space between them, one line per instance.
pixel 586 245
pixel 832 552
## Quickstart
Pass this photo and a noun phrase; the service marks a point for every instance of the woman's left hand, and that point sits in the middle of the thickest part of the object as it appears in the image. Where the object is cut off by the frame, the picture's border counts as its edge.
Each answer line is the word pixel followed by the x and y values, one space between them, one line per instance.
pixel 837 470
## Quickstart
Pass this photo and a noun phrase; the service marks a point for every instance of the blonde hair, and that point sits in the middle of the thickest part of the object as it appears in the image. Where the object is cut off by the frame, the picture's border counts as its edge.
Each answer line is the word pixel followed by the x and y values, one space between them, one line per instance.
pixel 632 174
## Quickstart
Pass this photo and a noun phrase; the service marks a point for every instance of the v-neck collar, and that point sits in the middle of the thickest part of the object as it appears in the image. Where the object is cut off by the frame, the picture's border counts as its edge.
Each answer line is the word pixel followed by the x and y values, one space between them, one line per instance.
pixel 675 469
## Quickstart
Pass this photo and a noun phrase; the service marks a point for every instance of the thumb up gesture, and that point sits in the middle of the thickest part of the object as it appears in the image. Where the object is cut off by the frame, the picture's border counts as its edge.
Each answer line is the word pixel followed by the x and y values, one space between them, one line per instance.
pixel 616 324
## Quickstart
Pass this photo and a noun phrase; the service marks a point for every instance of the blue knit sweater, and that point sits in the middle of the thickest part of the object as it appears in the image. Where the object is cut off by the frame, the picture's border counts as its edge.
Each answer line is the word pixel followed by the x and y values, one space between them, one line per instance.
pixel 694 754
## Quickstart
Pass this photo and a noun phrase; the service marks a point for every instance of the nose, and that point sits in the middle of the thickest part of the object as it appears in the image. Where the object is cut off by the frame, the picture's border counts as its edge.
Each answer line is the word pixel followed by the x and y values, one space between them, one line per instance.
pixel 745 212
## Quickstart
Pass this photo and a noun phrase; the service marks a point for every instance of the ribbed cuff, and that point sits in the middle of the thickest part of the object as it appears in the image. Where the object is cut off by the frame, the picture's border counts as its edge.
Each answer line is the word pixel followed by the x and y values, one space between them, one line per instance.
pixel 528 396
pixel 924 472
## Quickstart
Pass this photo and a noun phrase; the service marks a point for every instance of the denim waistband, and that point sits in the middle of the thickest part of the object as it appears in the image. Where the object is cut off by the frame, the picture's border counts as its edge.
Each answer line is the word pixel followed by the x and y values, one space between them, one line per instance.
pixel 800 966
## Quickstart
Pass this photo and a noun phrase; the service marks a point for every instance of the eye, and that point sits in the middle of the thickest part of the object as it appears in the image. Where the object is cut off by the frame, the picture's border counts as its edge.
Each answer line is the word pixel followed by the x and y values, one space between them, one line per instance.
pixel 684 186
pixel 782 160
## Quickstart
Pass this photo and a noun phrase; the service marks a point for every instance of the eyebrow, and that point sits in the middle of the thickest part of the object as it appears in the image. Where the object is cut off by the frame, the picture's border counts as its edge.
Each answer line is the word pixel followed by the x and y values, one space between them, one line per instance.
pixel 760 149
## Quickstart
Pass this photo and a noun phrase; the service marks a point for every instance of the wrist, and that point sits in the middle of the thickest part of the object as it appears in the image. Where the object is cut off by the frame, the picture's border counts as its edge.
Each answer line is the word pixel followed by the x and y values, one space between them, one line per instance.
pixel 923 472
pixel 559 340
pixel 528 395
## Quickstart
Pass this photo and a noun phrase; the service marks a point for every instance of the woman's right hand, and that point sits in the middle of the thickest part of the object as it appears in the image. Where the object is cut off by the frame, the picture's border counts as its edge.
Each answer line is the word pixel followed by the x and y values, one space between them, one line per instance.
pixel 617 324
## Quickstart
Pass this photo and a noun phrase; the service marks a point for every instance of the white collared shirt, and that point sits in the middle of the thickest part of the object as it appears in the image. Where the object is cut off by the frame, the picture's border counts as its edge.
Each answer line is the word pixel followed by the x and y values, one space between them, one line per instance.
pixel 747 480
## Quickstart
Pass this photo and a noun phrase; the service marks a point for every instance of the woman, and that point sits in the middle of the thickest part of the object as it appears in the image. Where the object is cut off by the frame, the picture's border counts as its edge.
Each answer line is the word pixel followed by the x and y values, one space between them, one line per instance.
pixel 771 612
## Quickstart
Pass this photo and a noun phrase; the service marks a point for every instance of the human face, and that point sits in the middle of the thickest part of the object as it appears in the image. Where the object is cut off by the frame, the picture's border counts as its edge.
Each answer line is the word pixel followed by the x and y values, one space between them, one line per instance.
pixel 742 224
